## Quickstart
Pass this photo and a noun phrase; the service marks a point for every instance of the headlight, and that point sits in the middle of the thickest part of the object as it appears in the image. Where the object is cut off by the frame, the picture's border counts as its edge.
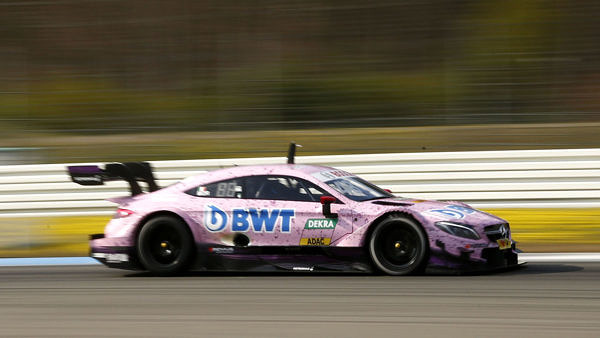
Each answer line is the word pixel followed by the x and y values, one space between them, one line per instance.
pixel 459 230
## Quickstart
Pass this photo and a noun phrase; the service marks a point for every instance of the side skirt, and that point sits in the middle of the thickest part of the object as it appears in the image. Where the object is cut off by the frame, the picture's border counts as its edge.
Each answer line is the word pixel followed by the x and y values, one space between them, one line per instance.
pixel 282 258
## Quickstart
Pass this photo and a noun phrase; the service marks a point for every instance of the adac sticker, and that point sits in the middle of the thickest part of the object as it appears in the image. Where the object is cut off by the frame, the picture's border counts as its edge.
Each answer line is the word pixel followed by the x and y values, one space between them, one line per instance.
pixel 243 220
pixel 451 211
pixel 320 223
pixel 315 241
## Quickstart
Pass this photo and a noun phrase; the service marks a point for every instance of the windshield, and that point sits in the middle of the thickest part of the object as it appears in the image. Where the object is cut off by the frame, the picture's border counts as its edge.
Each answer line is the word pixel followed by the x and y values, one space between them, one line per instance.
pixel 357 189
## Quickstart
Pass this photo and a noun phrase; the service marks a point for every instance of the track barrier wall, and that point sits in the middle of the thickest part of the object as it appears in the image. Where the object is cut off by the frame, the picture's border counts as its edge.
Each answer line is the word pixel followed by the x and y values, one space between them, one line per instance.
pixel 550 197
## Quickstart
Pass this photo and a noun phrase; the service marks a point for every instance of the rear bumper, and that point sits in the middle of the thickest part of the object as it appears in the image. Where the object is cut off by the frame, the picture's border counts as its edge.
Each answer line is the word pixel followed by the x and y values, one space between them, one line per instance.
pixel 108 252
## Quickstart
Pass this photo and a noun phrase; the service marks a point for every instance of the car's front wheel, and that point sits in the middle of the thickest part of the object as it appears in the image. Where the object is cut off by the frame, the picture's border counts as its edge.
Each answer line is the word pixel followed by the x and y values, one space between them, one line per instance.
pixel 165 246
pixel 398 246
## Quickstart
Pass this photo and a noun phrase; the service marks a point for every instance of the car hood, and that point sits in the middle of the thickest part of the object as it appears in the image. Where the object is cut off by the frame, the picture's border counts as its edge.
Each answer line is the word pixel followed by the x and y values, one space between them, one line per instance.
pixel 451 211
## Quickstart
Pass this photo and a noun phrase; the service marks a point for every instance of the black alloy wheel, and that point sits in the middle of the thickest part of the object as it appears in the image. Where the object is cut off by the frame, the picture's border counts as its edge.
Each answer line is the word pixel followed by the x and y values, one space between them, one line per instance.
pixel 398 246
pixel 165 246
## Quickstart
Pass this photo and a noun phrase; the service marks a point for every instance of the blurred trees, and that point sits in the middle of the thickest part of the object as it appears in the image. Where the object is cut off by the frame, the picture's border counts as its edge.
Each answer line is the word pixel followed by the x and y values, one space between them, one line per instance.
pixel 121 66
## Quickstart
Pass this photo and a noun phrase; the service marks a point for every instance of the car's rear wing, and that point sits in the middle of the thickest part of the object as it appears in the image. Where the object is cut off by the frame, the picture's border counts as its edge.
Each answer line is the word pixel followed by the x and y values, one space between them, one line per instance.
pixel 131 172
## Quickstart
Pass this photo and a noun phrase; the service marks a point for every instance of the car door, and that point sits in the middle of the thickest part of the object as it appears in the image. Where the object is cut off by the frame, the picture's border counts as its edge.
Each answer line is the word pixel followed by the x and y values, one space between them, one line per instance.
pixel 269 210
pixel 288 195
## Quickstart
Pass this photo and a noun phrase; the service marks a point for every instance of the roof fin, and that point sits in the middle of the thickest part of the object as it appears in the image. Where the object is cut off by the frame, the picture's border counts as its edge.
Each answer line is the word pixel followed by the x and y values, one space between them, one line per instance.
pixel 292 152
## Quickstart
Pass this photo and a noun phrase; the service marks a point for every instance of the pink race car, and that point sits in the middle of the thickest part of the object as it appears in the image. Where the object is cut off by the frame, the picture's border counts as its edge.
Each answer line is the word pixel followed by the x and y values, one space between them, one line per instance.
pixel 288 217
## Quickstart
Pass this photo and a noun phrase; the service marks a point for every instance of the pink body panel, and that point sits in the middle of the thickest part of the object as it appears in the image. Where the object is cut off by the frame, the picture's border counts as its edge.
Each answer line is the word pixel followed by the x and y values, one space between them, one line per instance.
pixel 291 217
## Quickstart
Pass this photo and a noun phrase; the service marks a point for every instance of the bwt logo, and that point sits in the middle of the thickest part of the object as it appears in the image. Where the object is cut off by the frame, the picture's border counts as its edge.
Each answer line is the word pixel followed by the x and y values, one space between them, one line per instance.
pixel 243 220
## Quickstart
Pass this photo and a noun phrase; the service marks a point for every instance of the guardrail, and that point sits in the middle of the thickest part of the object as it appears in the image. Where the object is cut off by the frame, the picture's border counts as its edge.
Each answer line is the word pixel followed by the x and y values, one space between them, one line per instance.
pixel 486 179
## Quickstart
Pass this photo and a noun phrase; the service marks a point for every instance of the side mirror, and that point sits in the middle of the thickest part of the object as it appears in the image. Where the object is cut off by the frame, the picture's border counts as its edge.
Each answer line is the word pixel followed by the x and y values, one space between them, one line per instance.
pixel 326 202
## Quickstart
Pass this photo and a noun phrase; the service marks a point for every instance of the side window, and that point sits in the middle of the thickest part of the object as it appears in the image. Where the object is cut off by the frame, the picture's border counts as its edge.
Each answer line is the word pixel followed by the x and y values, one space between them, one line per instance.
pixel 282 188
pixel 314 190
pixel 225 189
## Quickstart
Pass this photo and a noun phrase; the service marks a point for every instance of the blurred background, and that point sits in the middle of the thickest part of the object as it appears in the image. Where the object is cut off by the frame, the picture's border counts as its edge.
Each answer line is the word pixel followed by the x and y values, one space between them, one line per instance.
pixel 99 80
pixel 115 80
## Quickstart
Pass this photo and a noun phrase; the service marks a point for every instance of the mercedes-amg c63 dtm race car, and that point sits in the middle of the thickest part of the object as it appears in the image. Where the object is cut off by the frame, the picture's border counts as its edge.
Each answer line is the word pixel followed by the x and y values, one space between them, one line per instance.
pixel 288 217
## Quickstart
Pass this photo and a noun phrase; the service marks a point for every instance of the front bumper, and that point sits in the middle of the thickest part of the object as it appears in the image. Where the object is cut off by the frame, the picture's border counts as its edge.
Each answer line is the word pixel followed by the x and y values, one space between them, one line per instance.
pixel 491 259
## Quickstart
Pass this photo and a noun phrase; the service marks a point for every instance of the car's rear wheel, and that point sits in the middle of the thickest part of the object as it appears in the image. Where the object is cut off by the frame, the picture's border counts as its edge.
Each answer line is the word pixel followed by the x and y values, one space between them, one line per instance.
pixel 398 246
pixel 165 246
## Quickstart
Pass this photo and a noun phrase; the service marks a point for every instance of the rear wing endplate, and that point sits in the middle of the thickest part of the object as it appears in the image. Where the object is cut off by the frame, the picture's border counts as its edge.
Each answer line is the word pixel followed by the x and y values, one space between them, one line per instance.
pixel 131 172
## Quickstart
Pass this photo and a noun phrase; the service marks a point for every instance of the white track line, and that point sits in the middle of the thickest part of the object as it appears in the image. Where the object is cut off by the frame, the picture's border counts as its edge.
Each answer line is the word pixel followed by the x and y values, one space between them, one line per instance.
pixel 46 261
pixel 575 257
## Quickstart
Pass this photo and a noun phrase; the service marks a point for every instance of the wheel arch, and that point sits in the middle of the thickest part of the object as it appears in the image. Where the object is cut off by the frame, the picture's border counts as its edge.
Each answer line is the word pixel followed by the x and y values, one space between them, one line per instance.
pixel 158 214
pixel 373 225
pixel 183 262
pixel 385 215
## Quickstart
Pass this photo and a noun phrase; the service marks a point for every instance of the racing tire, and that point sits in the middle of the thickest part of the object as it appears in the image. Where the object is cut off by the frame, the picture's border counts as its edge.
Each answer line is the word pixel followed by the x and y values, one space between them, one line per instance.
pixel 398 246
pixel 165 246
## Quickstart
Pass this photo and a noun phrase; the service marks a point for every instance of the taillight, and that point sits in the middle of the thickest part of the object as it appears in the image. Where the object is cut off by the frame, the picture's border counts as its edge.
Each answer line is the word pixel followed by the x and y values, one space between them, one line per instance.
pixel 122 213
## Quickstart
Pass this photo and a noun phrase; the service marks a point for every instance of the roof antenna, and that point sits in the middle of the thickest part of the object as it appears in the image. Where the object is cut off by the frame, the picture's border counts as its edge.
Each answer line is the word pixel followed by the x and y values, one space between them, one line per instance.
pixel 292 152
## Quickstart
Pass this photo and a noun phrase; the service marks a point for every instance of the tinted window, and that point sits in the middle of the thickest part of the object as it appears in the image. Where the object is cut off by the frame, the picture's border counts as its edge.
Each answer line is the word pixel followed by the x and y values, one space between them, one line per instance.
pixel 357 189
pixel 225 189
pixel 314 190
pixel 282 188
pixel 286 188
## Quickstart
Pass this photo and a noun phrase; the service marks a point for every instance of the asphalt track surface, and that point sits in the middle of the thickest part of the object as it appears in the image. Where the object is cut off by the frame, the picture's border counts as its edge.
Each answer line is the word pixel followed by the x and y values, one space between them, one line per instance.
pixel 540 300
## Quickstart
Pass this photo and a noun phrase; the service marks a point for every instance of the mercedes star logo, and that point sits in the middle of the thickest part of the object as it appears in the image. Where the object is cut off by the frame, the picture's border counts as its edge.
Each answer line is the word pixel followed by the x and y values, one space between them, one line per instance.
pixel 503 231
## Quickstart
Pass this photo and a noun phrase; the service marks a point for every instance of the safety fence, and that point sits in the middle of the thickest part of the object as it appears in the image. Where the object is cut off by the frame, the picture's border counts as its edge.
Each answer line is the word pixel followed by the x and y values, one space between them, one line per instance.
pixel 551 197
pixel 486 179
